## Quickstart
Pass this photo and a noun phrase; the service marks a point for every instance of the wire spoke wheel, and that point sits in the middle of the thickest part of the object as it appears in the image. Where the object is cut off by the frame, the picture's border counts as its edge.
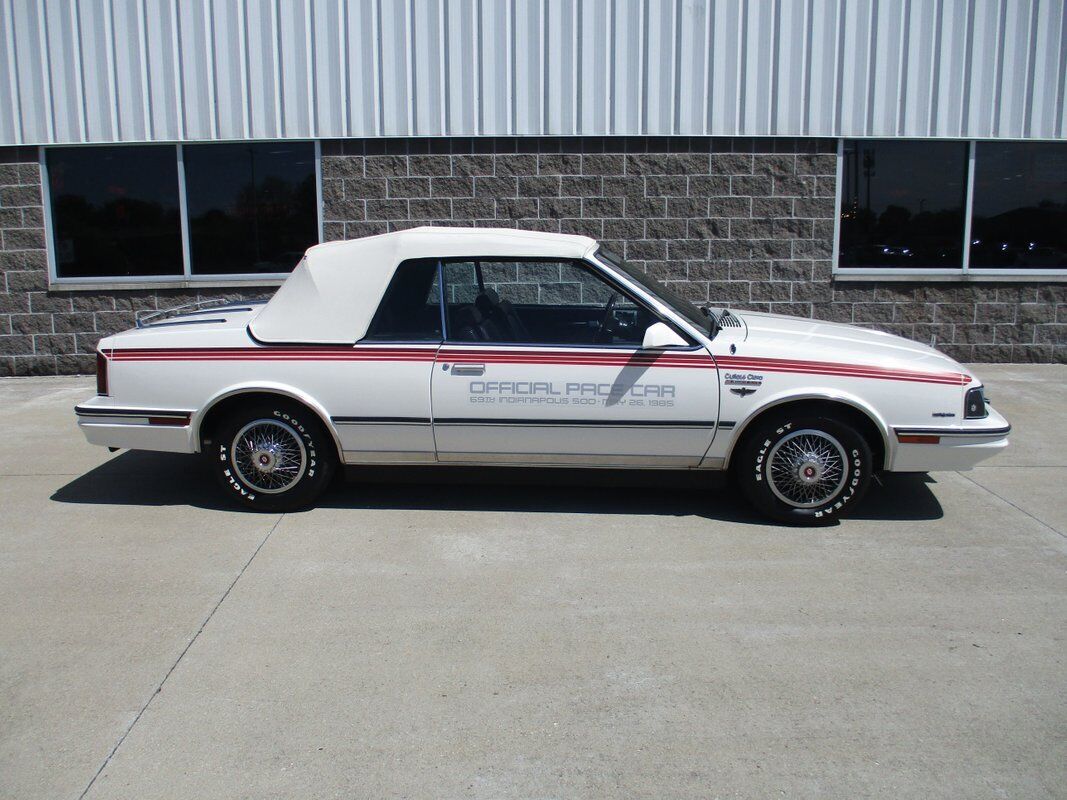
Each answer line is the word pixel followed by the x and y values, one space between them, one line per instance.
pixel 807 468
pixel 269 456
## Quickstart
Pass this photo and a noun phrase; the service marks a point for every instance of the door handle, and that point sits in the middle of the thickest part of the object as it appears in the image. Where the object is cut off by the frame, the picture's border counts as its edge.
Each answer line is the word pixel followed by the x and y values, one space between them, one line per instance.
pixel 468 369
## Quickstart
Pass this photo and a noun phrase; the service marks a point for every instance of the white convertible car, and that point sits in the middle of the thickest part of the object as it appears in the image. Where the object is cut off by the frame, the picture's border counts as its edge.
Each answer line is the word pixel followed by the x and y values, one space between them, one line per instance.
pixel 504 347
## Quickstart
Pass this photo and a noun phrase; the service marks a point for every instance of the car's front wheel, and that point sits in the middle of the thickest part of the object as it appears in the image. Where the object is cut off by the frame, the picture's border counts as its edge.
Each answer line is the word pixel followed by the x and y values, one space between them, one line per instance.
pixel 808 470
pixel 273 457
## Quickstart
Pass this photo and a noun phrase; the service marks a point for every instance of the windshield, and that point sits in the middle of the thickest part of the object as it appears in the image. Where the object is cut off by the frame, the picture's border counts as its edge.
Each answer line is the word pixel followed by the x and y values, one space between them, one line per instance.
pixel 659 289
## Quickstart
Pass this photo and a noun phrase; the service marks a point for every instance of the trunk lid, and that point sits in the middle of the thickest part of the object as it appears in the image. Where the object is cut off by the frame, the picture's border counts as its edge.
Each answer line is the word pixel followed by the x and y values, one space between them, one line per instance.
pixel 172 327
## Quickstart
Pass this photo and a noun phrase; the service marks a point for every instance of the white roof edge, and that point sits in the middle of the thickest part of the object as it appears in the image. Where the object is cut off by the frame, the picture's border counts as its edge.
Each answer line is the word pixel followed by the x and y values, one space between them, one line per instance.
pixel 431 237
pixel 335 289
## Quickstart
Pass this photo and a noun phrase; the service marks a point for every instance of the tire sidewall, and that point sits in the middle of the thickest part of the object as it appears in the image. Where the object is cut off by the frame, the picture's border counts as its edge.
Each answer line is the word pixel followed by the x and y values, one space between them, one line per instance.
pixel 753 464
pixel 317 447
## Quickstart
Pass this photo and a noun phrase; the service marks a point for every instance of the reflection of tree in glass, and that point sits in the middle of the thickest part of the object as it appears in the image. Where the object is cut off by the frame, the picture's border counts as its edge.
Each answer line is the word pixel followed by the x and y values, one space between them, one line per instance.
pixel 266 229
pixel 1034 236
pixel 897 237
pixel 124 236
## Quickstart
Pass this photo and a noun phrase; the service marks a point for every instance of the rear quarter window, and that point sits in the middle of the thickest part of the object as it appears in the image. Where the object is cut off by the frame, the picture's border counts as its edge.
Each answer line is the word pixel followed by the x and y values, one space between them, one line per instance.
pixel 410 310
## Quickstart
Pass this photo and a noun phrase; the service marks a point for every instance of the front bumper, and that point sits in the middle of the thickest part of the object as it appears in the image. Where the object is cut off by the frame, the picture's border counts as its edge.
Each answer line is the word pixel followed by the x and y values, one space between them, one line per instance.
pixel 959 447
pixel 167 430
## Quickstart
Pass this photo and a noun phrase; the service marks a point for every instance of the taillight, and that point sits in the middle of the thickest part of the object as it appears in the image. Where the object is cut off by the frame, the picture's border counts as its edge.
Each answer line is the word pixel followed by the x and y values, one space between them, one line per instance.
pixel 101 373
pixel 974 404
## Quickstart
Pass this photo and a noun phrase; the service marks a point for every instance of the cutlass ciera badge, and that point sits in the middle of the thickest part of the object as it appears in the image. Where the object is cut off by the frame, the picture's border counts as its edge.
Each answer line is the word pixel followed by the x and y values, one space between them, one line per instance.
pixel 746 382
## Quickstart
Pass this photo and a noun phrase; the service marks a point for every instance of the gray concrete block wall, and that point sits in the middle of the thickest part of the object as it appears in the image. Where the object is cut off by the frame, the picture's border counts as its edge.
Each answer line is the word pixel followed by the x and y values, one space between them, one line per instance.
pixel 740 222
pixel 46 332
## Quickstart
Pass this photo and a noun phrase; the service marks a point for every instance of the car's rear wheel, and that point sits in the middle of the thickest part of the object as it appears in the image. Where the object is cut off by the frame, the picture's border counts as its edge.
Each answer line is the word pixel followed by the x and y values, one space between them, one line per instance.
pixel 273 457
pixel 807 470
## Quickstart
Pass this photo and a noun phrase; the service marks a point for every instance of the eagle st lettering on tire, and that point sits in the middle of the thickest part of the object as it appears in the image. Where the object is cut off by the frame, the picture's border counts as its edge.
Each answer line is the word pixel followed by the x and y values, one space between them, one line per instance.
pixel 274 457
pixel 806 470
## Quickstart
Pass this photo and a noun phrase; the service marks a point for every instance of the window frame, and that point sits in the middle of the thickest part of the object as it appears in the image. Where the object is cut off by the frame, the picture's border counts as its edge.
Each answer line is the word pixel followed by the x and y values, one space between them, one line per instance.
pixel 583 263
pixel 187 278
pixel 962 273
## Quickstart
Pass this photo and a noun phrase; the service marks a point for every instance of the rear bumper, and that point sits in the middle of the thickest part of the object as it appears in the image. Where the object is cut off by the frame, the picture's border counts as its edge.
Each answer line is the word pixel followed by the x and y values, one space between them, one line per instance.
pixel 168 430
pixel 960 447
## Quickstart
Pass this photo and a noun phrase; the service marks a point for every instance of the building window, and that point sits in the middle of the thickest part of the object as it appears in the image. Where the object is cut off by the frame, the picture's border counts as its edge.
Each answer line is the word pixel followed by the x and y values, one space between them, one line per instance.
pixel 1020 206
pixel 902 204
pixel 251 206
pixel 115 211
pixel 983 208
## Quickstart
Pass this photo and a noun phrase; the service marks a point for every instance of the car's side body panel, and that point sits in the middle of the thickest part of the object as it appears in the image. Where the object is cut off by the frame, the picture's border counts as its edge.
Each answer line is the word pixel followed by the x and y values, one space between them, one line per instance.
pixel 374 398
pixel 593 406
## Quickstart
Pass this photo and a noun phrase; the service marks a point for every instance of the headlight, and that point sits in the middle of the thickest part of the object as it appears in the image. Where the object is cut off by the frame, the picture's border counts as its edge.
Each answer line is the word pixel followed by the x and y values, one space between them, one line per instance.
pixel 974 404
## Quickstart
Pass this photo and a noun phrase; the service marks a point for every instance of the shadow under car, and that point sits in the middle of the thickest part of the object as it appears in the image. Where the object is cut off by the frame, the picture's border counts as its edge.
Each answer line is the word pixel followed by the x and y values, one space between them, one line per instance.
pixel 141 478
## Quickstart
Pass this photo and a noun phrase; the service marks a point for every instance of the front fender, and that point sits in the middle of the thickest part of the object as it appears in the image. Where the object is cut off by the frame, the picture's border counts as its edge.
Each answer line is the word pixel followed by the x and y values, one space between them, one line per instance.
pixel 830 395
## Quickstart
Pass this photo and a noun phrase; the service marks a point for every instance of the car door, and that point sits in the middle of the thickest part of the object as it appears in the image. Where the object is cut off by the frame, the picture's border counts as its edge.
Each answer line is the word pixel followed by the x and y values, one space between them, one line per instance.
pixel 542 364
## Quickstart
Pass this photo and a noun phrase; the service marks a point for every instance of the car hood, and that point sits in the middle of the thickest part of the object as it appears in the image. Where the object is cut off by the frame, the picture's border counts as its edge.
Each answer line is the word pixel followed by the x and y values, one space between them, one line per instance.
pixel 810 339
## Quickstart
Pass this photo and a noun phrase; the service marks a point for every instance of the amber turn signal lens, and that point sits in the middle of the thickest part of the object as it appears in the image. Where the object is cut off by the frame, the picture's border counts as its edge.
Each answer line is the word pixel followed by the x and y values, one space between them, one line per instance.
pixel 916 438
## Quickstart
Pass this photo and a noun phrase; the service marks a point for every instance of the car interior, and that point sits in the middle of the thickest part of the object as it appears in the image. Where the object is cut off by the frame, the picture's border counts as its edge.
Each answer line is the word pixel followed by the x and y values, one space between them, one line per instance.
pixel 560 303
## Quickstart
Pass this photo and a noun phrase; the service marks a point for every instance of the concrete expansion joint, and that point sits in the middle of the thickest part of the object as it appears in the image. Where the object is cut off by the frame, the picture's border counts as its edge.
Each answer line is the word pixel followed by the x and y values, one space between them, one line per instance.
pixel 1040 522
pixel 177 661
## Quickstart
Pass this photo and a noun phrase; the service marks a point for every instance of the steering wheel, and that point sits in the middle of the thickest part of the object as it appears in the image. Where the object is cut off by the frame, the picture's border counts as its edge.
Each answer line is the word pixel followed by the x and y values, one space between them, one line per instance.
pixel 606 320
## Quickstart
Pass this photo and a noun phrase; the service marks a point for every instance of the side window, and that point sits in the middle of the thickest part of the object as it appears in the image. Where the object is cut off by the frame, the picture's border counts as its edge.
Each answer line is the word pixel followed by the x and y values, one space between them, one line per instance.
pixel 539 302
pixel 410 311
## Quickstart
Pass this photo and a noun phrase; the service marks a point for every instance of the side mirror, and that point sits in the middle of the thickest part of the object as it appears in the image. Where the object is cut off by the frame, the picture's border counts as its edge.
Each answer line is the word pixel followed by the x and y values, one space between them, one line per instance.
pixel 659 336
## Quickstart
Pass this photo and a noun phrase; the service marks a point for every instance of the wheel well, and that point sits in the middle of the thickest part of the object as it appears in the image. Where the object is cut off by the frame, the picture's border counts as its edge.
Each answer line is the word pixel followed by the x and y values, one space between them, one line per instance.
pixel 866 426
pixel 227 405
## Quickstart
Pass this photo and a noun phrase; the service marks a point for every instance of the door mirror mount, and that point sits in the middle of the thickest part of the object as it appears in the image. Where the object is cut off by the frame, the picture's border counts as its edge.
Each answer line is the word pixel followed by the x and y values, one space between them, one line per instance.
pixel 660 335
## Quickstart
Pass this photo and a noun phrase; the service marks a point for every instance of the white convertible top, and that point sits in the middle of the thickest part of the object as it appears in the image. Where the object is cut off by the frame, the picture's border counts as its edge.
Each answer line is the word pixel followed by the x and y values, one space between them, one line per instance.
pixel 334 291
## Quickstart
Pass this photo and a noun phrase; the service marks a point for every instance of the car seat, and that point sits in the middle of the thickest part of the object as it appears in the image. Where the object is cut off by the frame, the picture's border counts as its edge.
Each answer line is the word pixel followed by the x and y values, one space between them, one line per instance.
pixel 502 315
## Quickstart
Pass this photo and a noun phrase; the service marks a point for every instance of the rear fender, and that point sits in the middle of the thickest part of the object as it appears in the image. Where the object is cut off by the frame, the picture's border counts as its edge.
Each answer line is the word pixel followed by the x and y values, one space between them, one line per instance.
pixel 281 389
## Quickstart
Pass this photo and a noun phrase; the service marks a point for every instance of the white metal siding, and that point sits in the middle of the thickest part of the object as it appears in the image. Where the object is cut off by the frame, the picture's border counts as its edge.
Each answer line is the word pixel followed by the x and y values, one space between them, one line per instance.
pixel 184 70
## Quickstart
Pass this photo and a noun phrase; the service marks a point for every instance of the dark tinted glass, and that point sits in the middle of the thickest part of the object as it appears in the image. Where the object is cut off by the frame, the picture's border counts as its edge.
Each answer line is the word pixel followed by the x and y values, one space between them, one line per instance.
pixel 251 206
pixel 411 308
pixel 902 204
pixel 684 307
pixel 539 302
pixel 115 211
pixel 1020 205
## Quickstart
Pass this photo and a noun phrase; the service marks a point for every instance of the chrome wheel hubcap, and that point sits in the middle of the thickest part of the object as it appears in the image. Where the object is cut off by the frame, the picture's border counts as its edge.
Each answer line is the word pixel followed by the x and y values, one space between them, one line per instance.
pixel 807 468
pixel 268 455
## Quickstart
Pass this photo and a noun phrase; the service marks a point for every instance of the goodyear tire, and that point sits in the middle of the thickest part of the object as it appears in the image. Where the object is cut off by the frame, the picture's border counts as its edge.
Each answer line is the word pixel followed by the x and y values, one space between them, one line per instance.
pixel 808 470
pixel 273 457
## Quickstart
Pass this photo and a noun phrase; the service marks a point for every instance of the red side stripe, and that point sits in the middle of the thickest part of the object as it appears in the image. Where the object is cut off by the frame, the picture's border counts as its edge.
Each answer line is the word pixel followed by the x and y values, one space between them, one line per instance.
pixel 601 358
pixel 840 369
pixel 594 358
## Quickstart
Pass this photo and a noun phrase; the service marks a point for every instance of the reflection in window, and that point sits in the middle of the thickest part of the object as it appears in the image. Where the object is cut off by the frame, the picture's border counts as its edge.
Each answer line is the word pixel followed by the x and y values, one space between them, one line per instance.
pixel 251 206
pixel 410 311
pixel 538 302
pixel 115 211
pixel 1020 205
pixel 902 204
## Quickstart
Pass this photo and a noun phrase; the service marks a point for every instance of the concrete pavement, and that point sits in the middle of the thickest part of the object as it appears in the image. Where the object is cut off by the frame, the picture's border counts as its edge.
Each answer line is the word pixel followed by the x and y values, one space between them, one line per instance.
pixel 450 640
